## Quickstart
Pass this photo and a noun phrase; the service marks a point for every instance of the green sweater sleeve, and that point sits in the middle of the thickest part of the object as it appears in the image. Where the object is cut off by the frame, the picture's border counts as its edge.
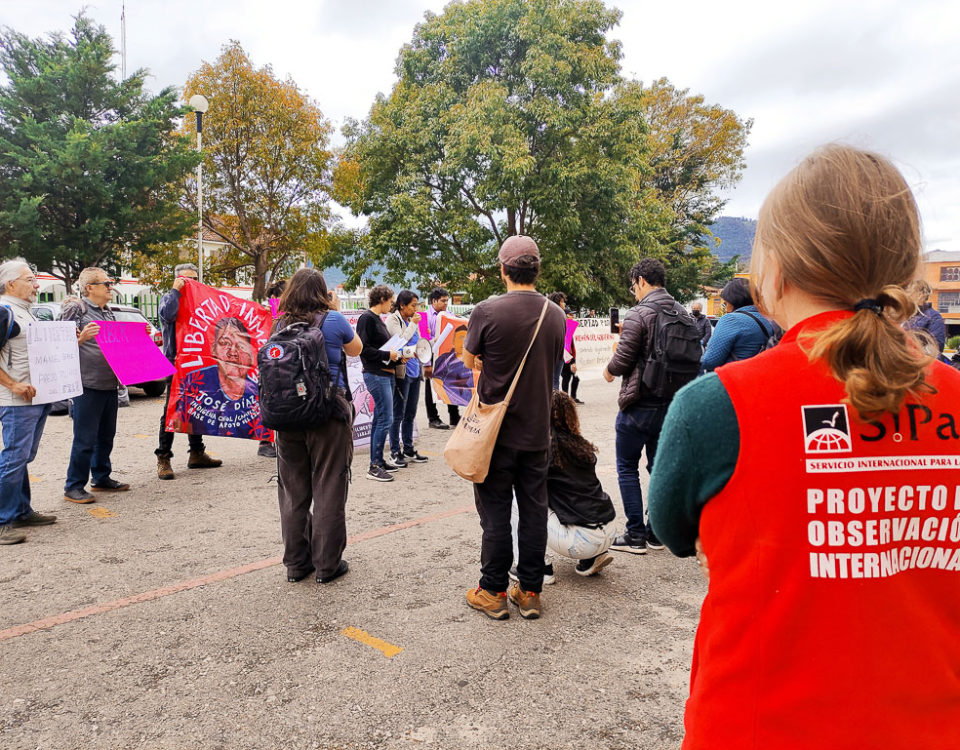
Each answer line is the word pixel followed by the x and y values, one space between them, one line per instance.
pixel 696 456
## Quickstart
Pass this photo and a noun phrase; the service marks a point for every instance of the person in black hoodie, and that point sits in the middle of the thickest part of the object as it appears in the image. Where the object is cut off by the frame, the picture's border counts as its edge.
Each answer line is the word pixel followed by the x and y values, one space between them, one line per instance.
pixel 378 375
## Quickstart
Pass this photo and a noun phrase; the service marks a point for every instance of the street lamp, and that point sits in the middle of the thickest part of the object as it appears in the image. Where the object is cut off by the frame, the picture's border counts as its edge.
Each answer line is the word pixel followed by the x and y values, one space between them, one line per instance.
pixel 200 105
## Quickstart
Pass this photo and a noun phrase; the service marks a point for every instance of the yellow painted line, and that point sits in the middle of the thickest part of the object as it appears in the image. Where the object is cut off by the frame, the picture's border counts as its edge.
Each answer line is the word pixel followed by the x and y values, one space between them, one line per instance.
pixel 141 436
pixel 388 649
pixel 35 479
pixel 99 512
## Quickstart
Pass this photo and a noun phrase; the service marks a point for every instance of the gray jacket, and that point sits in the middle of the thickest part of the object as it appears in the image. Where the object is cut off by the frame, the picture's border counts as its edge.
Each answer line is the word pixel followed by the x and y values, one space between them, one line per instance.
pixel 94 370
pixel 634 347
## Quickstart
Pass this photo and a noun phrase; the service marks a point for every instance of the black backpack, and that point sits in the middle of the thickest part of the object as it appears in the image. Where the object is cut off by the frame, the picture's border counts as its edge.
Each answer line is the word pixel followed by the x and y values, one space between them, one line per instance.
pixel 297 389
pixel 8 325
pixel 673 359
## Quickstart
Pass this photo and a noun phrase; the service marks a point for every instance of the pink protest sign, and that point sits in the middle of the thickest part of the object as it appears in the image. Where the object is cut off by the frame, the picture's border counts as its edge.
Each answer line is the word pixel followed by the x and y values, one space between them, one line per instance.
pixel 424 326
pixel 274 307
pixel 568 339
pixel 131 353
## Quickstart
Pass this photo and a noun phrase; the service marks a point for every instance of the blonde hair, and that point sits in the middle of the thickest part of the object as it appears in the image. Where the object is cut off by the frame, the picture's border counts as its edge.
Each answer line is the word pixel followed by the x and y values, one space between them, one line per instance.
pixel 844 227
pixel 920 290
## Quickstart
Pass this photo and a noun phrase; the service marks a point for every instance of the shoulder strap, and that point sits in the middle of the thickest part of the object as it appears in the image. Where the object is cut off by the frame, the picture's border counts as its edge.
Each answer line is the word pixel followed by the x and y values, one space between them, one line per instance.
pixel 757 320
pixel 536 331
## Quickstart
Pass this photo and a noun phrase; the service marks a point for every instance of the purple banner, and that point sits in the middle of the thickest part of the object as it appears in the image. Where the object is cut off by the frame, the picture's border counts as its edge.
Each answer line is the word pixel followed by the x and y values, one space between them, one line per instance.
pixel 131 353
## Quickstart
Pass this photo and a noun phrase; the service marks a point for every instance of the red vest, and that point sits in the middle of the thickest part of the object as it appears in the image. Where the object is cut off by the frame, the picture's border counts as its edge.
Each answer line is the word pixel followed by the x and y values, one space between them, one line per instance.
pixel 832 620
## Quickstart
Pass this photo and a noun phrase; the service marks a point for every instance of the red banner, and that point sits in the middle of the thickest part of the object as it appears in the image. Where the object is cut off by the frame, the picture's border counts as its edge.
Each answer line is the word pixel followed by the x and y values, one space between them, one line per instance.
pixel 215 390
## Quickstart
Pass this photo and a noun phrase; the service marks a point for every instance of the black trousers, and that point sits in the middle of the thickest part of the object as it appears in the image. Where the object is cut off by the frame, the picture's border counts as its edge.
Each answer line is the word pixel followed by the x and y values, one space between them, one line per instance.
pixel 524 473
pixel 313 468
pixel 569 378
pixel 165 443
pixel 453 412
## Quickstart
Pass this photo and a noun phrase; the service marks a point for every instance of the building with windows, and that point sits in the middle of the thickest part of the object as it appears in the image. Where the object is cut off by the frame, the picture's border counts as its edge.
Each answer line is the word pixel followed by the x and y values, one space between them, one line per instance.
pixel 941 269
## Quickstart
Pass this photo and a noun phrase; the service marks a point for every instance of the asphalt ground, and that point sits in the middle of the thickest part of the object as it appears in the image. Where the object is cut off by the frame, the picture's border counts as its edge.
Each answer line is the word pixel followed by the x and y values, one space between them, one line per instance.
pixel 161 617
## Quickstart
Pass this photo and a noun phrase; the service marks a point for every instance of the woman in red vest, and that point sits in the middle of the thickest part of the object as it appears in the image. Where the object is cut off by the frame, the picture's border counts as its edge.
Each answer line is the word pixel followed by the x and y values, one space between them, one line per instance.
pixel 828 504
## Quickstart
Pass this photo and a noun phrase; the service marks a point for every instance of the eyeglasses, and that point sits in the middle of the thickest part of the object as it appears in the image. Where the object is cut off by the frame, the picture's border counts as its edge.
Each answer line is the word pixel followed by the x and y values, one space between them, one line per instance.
pixel 107 284
pixel 28 279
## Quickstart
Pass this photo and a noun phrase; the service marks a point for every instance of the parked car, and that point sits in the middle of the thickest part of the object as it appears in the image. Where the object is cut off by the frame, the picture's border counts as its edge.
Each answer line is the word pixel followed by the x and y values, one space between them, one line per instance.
pixel 123 313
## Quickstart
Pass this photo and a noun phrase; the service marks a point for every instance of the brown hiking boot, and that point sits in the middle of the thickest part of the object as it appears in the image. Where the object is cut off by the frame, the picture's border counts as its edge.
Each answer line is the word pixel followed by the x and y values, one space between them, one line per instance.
pixel 527 601
pixel 200 460
pixel 164 469
pixel 492 605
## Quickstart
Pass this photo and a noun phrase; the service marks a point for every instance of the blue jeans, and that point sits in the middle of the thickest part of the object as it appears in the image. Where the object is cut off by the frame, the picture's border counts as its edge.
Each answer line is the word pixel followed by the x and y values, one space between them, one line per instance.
pixel 406 398
pixel 638 427
pixel 94 426
pixel 381 388
pixel 22 428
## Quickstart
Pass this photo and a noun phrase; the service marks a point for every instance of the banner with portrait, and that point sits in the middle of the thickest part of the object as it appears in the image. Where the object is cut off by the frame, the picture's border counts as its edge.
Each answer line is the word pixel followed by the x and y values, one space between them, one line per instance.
pixel 453 381
pixel 215 389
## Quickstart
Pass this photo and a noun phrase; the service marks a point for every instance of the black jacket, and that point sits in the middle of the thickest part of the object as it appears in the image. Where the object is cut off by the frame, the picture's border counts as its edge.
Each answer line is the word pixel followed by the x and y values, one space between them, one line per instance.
pixel 574 493
pixel 373 334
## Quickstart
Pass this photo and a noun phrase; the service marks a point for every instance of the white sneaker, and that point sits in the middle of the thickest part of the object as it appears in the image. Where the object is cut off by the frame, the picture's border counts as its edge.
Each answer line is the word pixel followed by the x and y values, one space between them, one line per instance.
pixel 548 574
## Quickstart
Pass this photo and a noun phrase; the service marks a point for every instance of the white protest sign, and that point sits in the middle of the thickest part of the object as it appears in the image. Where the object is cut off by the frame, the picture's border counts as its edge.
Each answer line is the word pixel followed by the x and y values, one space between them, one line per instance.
pixel 54 360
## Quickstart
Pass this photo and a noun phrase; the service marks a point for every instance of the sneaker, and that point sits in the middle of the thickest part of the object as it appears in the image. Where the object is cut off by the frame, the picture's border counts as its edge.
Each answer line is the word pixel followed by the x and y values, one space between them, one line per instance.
pixel 415 457
pixel 390 465
pixel 593 565
pixel 577 401
pixel 398 460
pixel 34 519
pixel 627 543
pixel 202 460
pixel 379 474
pixel 652 541
pixel 438 425
pixel 297 577
pixel 9 535
pixel 78 496
pixel 549 576
pixel 493 605
pixel 110 485
pixel 527 601
pixel 267 450
pixel 342 568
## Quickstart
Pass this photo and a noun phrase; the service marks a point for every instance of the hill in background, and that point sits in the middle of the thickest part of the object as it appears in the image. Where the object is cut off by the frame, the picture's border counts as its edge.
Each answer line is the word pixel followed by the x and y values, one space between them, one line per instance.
pixel 736 237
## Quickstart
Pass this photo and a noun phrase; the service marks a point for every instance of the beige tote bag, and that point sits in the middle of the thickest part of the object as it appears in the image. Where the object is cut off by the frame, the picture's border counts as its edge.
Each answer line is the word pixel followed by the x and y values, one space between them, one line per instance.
pixel 470 447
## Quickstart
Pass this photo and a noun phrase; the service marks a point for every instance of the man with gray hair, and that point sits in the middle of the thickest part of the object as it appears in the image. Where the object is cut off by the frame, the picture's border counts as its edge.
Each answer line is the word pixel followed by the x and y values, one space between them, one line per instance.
pixel 169 309
pixel 95 410
pixel 22 421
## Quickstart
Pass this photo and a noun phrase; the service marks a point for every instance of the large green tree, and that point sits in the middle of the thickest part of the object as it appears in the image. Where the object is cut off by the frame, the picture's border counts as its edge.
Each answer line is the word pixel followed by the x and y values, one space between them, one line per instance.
pixel 89 165
pixel 266 169
pixel 510 116
pixel 500 123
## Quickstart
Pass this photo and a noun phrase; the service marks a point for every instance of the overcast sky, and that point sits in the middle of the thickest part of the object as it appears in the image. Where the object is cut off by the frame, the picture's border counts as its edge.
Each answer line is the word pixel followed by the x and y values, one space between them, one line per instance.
pixel 883 74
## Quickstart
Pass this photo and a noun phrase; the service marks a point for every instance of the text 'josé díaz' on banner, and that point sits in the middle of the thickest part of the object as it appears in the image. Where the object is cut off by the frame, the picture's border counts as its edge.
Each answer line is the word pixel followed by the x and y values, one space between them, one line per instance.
pixel 215 389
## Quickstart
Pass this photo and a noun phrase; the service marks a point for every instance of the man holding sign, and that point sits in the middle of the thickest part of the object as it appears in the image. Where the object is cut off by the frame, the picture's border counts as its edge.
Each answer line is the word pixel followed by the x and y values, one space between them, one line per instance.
pixel 21 420
pixel 95 410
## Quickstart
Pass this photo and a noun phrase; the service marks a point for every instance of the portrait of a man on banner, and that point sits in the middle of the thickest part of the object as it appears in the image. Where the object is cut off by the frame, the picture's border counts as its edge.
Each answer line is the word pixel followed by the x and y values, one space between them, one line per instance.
pixel 215 390
pixel 453 381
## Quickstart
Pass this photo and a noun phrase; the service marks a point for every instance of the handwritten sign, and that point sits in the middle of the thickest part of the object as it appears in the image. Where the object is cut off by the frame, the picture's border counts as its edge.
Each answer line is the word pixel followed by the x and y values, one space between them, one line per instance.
pixel 54 361
pixel 131 353
pixel 568 339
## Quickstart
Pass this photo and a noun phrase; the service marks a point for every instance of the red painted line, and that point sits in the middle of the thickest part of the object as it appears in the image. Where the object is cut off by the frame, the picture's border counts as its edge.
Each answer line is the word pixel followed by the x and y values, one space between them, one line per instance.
pixel 175 588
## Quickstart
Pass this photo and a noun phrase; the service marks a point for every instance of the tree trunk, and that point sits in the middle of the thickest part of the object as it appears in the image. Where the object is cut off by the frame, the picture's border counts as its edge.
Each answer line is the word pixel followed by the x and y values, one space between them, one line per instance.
pixel 260 267
pixel 511 221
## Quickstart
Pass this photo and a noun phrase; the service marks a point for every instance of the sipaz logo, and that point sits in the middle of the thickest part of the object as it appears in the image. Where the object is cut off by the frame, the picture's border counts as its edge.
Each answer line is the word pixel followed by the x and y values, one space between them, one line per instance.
pixel 826 429
pixel 274 351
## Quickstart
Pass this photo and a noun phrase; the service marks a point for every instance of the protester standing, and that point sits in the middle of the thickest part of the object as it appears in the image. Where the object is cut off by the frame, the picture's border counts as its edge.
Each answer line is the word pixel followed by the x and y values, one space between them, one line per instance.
pixel 379 373
pixel 703 323
pixel 501 328
pixel 569 380
pixel 740 334
pixel 641 412
pixel 799 626
pixel 313 465
pixel 404 321
pixel 926 318
pixel 95 410
pixel 169 309
pixel 560 300
pixel 22 422
pixel 438 300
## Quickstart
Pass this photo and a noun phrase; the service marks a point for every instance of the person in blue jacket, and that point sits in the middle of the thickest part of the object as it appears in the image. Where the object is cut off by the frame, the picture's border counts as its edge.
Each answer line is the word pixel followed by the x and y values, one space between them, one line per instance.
pixel 740 334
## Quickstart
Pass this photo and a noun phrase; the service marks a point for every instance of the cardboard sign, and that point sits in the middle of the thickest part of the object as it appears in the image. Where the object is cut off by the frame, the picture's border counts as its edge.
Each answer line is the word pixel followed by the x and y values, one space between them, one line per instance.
pixel 131 353
pixel 54 361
